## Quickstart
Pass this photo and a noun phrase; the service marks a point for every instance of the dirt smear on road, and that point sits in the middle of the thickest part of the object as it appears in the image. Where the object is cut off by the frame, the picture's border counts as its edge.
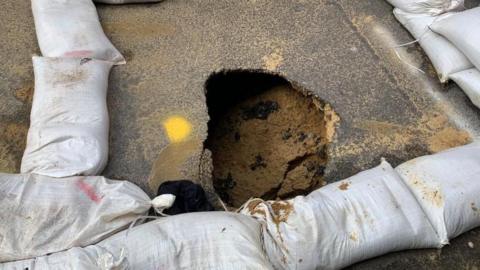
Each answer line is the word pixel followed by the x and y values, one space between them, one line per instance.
pixel 432 131
pixel 12 144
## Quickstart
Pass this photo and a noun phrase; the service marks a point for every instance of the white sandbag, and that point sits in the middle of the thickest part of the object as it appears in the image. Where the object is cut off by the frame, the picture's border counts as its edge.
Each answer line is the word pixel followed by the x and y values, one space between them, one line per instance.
pixel 208 240
pixel 213 240
pixel 462 29
pixel 69 122
pixel 469 81
pixel 89 258
pixel 71 28
pixel 118 2
pixel 447 185
pixel 445 57
pixel 366 215
pixel 41 215
pixel 431 7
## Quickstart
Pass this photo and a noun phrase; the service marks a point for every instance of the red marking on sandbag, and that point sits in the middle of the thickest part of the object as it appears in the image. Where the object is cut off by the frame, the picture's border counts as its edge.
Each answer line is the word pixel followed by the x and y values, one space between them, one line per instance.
pixel 89 191
pixel 84 53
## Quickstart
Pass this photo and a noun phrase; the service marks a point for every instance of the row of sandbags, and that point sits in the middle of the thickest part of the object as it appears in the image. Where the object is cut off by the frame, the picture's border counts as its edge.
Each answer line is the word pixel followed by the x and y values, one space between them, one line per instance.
pixel 56 203
pixel 449 36
pixel 71 28
pixel 69 122
pixel 420 204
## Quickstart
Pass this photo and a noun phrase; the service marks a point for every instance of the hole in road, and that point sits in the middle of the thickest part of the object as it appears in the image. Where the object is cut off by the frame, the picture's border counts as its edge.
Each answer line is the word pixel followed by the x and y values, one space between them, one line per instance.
pixel 268 138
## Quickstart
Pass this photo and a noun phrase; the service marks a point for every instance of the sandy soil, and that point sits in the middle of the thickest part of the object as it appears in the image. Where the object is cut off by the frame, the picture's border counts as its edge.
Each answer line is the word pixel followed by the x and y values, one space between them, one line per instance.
pixel 270 145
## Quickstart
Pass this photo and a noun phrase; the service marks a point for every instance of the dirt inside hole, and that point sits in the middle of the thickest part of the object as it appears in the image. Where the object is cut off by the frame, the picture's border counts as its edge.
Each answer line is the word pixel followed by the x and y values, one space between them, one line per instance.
pixel 267 138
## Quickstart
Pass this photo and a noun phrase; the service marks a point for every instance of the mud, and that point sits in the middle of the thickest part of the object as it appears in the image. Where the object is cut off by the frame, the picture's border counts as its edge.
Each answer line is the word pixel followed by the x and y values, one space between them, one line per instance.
pixel 271 145
pixel 431 133
pixel 139 30
pixel 344 186
pixel 273 61
pixel 12 143
pixel 253 210
pixel 68 78
pixel 171 161
pixel 431 194
pixel 13 133
pixel 24 94
pixel 281 211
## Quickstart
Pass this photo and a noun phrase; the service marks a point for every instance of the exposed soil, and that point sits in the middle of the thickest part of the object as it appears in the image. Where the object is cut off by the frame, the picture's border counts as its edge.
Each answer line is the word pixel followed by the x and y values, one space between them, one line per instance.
pixel 431 133
pixel 270 144
pixel 171 161
pixel 12 144
pixel 25 94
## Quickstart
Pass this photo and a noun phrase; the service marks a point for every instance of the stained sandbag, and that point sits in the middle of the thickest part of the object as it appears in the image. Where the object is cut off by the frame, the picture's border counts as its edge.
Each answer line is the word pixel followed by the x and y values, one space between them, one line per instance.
pixel 366 215
pixel 71 28
pixel 430 7
pixel 445 57
pixel 447 186
pixel 69 122
pixel 214 240
pixel 469 81
pixel 41 215
pixel 462 30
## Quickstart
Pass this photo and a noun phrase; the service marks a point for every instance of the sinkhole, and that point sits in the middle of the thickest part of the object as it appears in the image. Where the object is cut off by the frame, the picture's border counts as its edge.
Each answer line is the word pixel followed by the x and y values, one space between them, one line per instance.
pixel 268 137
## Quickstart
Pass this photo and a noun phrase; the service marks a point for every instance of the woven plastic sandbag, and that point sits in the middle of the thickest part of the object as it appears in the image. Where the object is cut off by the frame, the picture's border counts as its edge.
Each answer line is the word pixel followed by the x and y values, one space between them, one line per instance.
pixel 71 28
pixel 366 215
pixel 41 215
pixel 428 7
pixel 469 81
pixel 203 241
pixel 462 30
pixel 445 57
pixel 447 186
pixel 69 122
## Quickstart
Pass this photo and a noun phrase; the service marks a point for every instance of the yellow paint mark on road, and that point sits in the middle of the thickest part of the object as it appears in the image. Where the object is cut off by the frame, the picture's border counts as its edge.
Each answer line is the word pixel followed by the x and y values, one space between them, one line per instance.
pixel 178 128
